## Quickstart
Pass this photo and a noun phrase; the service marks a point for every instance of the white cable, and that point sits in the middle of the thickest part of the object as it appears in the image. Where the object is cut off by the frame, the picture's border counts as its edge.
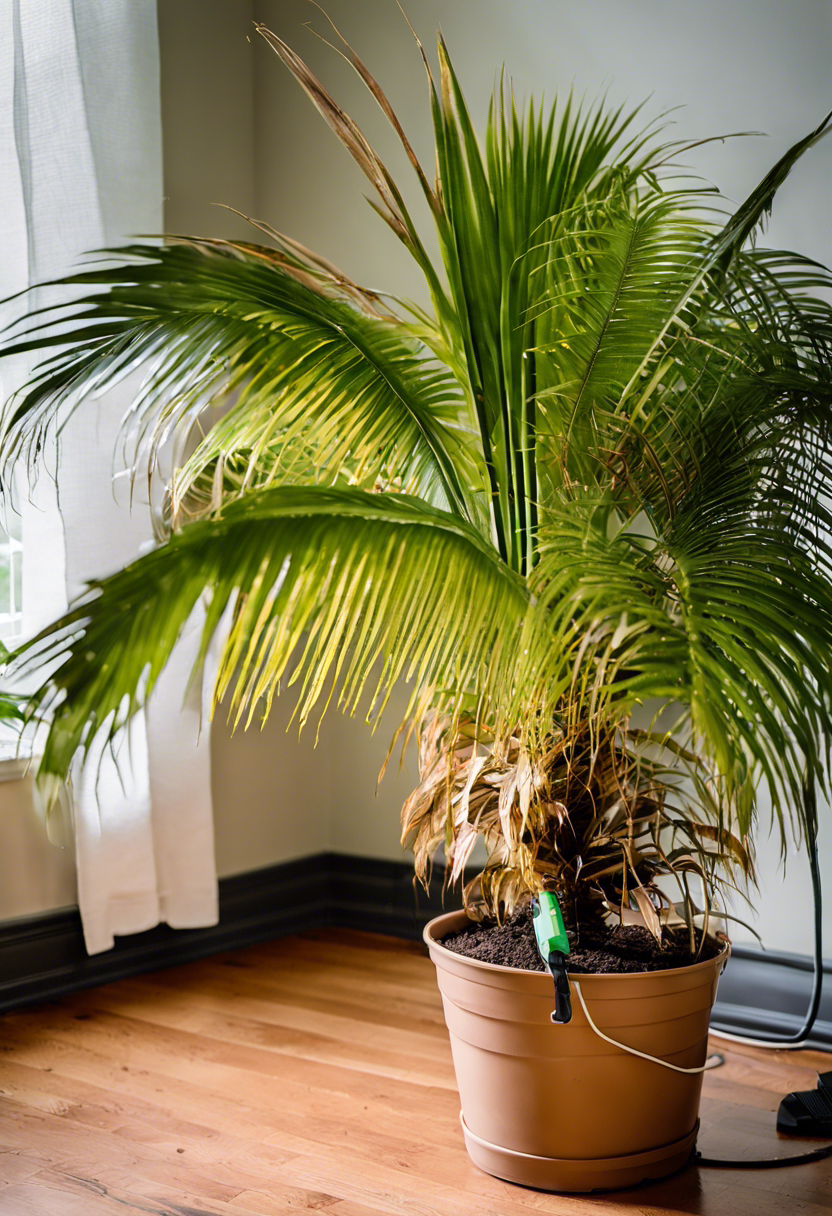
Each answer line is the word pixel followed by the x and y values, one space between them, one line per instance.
pixel 751 1042
pixel 709 1063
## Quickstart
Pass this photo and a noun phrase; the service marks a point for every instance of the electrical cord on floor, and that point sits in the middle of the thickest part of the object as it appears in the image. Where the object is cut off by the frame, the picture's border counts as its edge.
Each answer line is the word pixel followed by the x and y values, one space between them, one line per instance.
pixel 791 1042
pixel 767 1163
pixel 787 1042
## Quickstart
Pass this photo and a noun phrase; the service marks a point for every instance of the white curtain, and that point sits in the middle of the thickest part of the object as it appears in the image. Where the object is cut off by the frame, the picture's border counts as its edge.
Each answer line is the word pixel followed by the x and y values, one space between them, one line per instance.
pixel 81 164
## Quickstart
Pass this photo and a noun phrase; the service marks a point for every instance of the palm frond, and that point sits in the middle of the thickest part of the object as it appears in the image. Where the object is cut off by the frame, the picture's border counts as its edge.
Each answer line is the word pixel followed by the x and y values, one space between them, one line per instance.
pixel 487 208
pixel 209 320
pixel 758 205
pixel 597 819
pixel 614 274
pixel 369 588
pixel 701 617
pixel 495 204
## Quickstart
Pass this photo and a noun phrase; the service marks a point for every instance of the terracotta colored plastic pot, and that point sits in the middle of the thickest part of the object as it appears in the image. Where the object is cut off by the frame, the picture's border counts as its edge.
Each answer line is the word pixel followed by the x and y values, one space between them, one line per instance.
pixel 555 1107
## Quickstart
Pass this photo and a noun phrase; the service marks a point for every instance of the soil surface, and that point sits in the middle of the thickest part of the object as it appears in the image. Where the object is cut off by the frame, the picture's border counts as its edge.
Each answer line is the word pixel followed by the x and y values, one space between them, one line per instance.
pixel 607 950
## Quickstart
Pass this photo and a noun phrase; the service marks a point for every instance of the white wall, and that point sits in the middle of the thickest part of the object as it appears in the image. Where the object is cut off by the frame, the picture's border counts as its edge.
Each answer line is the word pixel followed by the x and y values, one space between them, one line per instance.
pixel 238 130
pixel 35 875
pixel 276 796
pixel 207 69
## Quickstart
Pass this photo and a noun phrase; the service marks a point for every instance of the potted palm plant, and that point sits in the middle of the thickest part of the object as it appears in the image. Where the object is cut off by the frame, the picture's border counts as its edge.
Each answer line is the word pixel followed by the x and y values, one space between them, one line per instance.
pixel 578 505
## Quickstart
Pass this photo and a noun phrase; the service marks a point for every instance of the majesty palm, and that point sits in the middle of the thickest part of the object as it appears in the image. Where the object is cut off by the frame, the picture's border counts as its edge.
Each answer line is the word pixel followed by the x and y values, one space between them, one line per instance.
pixel 589 484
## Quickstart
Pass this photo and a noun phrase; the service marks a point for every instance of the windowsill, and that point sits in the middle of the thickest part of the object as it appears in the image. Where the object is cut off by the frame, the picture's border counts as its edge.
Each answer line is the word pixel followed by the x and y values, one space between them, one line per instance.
pixel 16 760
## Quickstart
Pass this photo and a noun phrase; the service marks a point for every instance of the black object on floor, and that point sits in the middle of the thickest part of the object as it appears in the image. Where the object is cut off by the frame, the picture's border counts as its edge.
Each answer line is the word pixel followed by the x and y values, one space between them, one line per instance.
pixel 808 1113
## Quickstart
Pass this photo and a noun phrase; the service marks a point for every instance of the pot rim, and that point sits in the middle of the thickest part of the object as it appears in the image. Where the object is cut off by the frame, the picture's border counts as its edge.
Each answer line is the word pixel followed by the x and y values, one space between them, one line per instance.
pixel 436 943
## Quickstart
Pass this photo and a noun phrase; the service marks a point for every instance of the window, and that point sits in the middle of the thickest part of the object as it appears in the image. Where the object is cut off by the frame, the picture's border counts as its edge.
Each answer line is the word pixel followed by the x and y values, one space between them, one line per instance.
pixel 14 752
pixel 11 579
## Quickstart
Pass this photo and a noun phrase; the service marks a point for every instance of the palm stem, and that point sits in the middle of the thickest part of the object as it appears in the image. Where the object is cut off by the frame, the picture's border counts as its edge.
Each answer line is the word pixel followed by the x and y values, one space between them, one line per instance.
pixel 530 449
pixel 495 503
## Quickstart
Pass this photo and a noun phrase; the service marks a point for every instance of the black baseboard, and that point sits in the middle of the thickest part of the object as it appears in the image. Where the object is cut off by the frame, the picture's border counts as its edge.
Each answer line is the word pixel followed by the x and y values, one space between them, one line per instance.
pixel 767 992
pixel 43 957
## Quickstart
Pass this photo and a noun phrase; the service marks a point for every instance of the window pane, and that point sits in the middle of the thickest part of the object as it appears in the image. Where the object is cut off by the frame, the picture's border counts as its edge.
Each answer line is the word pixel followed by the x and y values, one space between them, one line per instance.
pixel 11 576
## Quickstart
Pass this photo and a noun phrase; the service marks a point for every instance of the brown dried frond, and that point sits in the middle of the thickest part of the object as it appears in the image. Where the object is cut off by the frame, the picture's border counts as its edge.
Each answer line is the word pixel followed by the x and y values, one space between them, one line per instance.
pixel 598 819
pixel 385 107
pixel 348 132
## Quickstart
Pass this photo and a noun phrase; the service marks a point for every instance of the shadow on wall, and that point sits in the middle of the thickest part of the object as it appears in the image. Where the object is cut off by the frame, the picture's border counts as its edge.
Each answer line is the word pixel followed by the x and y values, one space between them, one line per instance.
pixel 35 875
pixel 278 796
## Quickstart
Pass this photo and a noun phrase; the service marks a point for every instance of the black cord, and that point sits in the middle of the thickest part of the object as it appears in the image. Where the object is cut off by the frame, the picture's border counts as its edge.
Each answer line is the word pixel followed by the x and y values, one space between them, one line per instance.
pixel 817 984
pixel 768 1163
pixel 817 1154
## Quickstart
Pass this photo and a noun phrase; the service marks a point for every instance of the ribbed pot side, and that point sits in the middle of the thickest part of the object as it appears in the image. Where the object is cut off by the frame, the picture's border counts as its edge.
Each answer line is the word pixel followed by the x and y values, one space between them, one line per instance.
pixel 556 1107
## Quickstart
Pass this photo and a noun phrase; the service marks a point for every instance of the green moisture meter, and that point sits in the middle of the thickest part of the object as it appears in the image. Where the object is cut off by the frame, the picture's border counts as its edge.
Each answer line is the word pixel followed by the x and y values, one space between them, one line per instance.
pixel 553 945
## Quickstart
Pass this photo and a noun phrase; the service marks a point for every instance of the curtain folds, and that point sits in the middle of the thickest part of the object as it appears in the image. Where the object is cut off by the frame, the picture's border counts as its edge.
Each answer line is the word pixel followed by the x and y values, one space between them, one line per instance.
pixel 81 164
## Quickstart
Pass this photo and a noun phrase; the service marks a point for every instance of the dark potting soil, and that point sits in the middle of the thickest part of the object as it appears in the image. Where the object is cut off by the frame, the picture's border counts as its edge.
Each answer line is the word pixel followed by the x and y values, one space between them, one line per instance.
pixel 604 950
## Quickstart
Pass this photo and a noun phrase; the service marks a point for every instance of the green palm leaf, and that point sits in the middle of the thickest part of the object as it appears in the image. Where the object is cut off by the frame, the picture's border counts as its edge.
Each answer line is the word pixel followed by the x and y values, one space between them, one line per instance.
pixel 614 274
pixel 352 579
pixel 209 321
pixel 496 205
pixel 723 619
pixel 753 210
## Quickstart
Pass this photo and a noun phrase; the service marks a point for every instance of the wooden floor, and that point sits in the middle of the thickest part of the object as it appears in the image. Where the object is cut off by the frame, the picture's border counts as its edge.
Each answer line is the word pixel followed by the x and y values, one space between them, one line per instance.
pixel 314 1073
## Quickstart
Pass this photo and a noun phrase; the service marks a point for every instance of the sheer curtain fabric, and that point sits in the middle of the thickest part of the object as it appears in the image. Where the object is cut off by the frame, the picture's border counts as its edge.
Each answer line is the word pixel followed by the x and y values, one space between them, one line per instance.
pixel 81 166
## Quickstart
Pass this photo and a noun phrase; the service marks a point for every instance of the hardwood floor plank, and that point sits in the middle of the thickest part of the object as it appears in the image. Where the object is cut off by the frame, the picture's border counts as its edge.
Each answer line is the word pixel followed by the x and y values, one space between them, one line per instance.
pixel 130 1116
pixel 287 1112
pixel 260 1023
pixel 97 1198
pixel 175 1097
pixel 16 1165
pixel 124 1035
pixel 224 989
pixel 403 1193
pixel 356 1209
pixel 265 1203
